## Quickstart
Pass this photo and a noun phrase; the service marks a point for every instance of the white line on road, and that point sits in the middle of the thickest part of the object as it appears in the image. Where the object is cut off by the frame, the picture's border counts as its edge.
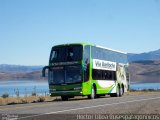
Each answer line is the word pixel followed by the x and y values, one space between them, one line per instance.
pixel 102 105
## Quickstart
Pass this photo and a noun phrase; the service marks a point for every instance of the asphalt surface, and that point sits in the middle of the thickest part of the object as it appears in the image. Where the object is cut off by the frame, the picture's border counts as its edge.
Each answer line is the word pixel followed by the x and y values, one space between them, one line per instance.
pixel 83 108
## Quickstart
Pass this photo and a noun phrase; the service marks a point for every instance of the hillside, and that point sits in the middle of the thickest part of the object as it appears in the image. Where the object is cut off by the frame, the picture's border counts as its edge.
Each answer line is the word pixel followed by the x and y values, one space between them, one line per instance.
pixel 18 68
pixel 18 72
pixel 35 75
pixel 145 71
pixel 144 67
pixel 140 71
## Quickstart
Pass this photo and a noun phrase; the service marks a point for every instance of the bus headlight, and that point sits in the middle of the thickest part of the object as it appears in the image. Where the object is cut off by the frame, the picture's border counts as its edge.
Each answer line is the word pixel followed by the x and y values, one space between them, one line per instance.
pixel 78 88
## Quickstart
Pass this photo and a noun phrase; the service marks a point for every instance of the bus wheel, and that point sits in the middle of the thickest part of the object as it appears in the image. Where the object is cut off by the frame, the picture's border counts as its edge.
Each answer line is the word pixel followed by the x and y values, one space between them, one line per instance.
pixel 64 98
pixel 93 93
pixel 118 91
pixel 113 95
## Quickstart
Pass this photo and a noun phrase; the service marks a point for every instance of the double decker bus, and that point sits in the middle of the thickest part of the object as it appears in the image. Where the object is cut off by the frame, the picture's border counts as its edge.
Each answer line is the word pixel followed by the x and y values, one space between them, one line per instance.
pixel 86 70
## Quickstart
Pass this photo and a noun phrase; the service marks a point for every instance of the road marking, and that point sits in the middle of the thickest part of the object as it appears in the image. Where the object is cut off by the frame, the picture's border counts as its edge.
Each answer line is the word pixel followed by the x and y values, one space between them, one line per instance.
pixel 2 108
pixel 74 109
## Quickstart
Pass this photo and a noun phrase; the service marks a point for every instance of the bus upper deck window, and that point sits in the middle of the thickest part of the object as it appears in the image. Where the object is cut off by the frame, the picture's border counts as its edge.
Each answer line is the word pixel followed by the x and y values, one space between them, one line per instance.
pixel 70 54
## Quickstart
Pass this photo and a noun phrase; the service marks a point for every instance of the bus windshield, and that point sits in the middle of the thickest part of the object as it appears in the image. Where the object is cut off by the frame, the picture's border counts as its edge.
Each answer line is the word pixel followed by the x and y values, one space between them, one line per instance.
pixel 66 53
pixel 65 75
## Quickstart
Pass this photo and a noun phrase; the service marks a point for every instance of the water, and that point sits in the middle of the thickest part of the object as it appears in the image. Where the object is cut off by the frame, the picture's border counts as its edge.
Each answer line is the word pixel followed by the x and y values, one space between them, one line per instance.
pixel 141 86
pixel 27 87
pixel 24 87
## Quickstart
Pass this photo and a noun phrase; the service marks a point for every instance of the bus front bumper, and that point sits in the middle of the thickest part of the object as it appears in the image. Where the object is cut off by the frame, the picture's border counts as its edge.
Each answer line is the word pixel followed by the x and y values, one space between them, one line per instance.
pixel 66 93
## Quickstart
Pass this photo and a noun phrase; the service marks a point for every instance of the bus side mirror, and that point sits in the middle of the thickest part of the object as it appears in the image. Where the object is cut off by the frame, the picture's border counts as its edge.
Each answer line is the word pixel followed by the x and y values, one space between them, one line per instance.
pixel 44 71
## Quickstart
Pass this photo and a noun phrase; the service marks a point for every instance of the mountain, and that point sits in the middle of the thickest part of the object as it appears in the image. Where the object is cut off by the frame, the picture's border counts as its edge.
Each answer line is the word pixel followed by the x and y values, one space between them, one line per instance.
pixel 153 55
pixel 144 67
pixel 18 68
pixel 145 71
pixel 36 75
pixel 19 72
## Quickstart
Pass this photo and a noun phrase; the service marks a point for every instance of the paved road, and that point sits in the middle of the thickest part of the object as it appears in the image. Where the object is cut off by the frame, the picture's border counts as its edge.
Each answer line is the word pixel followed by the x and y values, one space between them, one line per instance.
pixel 83 108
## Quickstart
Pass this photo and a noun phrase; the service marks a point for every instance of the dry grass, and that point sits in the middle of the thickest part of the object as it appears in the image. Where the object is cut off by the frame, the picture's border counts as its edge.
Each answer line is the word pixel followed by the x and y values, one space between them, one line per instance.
pixel 34 99
pixel 23 100
pixel 134 93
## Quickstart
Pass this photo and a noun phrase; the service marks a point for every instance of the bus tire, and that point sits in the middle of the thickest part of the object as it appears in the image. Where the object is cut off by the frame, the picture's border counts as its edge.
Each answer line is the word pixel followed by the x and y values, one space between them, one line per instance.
pixel 100 95
pixel 64 98
pixel 93 93
pixel 122 89
pixel 118 91
pixel 112 95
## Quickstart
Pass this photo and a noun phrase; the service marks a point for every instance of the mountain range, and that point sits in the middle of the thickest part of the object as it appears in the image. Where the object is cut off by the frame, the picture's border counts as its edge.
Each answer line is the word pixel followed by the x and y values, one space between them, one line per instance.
pixel 145 71
pixel 18 68
pixel 153 55
pixel 19 72
pixel 144 67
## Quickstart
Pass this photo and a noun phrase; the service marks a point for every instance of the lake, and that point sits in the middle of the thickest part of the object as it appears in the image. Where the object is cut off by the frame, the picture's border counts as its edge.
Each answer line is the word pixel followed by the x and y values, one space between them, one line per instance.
pixel 24 87
pixel 27 87
pixel 141 86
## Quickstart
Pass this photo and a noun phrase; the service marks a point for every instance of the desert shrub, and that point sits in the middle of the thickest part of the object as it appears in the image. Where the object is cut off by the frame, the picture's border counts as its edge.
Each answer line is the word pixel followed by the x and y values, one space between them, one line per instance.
pixel 5 95
pixel 132 90
pixel 24 101
pixel 148 90
pixel 41 99
pixel 34 94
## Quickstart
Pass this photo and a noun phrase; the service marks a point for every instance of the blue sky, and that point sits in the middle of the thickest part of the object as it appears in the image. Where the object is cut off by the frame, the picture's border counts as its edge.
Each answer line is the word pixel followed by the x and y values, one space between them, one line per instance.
pixel 29 28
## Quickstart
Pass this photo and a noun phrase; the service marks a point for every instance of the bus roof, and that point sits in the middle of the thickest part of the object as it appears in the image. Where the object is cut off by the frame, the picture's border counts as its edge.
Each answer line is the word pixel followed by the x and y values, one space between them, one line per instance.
pixel 110 49
pixel 67 44
pixel 83 43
